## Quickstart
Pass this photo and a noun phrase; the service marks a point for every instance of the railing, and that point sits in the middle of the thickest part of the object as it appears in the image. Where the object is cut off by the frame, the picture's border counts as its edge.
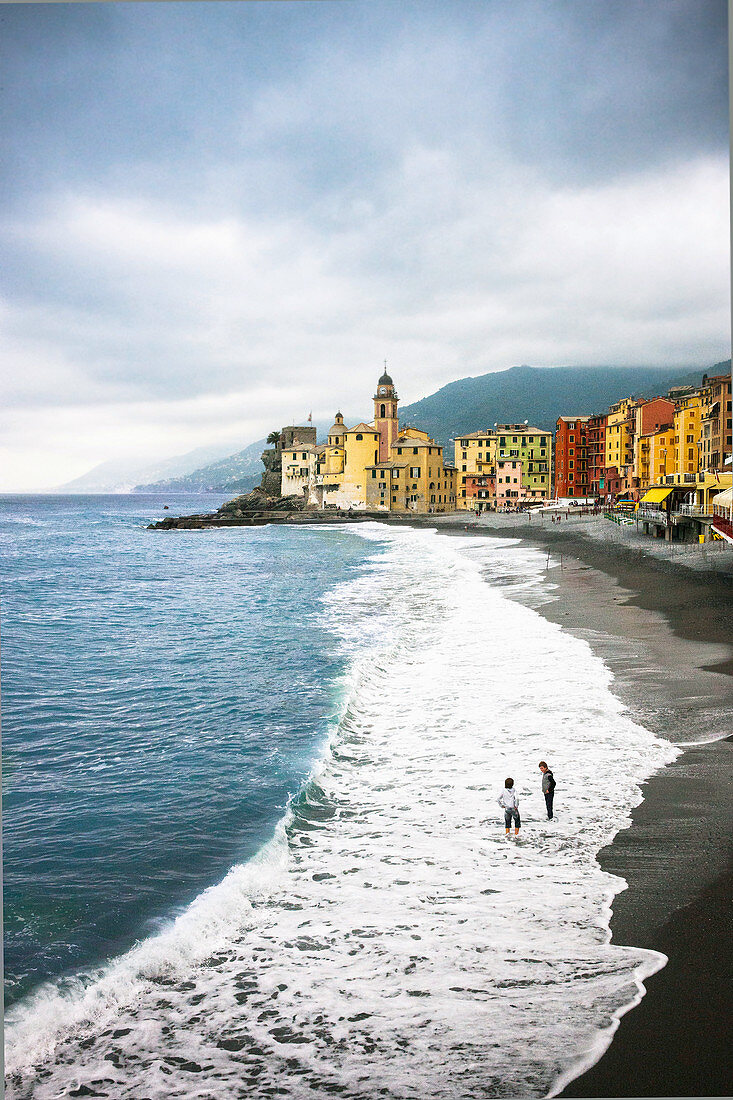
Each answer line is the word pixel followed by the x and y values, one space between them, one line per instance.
pixel 723 526
pixel 690 510
pixel 654 514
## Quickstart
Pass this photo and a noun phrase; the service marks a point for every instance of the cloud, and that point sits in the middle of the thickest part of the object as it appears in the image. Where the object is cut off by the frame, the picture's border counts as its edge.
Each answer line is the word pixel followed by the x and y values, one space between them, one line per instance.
pixel 260 202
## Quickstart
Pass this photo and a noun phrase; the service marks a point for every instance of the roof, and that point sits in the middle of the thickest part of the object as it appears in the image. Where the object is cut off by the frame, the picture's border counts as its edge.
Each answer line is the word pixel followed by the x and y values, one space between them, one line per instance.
pixel 410 441
pixel 385 380
pixel 573 418
pixel 518 429
pixel 477 435
pixel 363 428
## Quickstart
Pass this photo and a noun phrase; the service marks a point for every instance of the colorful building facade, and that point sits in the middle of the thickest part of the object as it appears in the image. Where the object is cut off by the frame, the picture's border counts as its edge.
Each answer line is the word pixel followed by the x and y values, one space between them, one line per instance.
pixel 514 460
pixel 372 465
pixel 572 467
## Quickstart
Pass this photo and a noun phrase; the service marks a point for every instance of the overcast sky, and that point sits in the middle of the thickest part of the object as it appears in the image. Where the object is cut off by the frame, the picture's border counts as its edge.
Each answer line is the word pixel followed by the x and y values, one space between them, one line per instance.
pixel 219 216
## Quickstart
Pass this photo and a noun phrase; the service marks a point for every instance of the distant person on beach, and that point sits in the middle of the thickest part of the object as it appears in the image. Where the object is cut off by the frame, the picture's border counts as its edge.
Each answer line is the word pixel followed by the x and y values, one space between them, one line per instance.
pixel 548 787
pixel 508 799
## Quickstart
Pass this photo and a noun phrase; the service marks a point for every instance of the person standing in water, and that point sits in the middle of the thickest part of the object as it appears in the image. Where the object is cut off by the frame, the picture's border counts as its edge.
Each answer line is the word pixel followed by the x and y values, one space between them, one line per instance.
pixel 548 787
pixel 509 800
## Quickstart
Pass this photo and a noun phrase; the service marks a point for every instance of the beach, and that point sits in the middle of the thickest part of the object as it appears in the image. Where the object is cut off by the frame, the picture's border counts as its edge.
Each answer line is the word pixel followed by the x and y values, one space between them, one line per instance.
pixel 663 627
pixel 375 917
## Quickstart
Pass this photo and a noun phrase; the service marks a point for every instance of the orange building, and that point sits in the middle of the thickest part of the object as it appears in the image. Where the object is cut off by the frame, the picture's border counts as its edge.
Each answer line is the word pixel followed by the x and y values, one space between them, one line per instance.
pixel 572 477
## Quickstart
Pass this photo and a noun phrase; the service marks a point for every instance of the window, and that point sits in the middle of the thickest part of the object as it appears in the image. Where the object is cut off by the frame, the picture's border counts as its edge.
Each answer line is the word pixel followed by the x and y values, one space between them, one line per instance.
pixel 395 473
pixel 374 473
pixel 359 435
pixel 464 455
pixel 399 450
pixel 382 410
pixel 414 450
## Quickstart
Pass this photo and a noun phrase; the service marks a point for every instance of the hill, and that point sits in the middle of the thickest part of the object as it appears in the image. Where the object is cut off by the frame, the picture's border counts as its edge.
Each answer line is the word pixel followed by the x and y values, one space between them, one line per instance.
pixel 538 395
pixel 237 473
pixel 119 476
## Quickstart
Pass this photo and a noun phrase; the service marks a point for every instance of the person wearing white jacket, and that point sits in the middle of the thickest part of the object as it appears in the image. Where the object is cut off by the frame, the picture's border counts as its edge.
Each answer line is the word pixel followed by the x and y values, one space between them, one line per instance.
pixel 509 800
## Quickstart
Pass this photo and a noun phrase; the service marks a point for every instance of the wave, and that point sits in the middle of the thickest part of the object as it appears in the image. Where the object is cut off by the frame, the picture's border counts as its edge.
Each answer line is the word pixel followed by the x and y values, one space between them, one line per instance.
pixel 389 939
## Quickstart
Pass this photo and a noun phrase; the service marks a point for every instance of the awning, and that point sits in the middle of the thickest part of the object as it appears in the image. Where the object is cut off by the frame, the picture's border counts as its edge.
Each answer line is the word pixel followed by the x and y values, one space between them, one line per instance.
pixel 655 496
pixel 723 500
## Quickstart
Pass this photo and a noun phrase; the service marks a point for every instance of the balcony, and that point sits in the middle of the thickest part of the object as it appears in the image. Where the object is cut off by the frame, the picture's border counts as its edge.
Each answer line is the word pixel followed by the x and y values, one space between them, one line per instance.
pixel 690 510
pixel 652 515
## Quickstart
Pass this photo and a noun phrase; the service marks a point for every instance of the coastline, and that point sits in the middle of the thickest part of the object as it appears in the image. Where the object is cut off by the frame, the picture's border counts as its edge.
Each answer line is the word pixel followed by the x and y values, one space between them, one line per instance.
pixel 660 617
pixel 663 629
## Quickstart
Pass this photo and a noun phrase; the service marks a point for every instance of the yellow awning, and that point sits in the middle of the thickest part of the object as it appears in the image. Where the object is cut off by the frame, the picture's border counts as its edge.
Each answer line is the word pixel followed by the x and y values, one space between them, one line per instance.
pixel 655 496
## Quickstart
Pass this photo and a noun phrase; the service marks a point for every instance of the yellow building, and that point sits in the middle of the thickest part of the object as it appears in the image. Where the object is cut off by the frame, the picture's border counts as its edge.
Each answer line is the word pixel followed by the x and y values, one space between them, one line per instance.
pixel 489 454
pixel 620 436
pixel 688 411
pixel 414 479
pixel 715 422
pixel 661 454
pixel 474 455
pixel 361 449
pixel 372 465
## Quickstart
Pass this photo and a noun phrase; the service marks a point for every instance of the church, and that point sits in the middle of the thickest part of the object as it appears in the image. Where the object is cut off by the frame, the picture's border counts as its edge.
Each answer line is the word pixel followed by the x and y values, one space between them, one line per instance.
pixel 375 466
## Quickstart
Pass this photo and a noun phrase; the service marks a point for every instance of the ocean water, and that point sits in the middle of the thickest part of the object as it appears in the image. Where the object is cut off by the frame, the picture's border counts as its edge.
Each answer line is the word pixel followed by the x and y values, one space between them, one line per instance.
pixel 252 841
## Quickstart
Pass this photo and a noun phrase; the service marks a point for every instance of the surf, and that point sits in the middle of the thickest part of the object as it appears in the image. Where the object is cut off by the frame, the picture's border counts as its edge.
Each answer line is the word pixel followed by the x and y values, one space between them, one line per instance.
pixel 387 937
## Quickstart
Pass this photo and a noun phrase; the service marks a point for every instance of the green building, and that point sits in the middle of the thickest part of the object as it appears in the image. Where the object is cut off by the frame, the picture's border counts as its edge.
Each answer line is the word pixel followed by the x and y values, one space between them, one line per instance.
pixel 533 449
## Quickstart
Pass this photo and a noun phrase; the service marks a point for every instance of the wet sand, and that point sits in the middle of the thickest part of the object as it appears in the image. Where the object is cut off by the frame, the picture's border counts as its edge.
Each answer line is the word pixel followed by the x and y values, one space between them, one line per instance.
pixel 661 616
pixel 665 631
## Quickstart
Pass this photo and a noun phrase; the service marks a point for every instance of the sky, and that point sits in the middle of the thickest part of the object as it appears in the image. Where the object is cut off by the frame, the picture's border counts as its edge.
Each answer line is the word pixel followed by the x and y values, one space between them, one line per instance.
pixel 218 217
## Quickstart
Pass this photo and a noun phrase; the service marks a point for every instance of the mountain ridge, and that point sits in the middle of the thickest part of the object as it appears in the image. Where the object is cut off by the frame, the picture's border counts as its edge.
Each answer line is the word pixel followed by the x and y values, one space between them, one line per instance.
pixel 474 403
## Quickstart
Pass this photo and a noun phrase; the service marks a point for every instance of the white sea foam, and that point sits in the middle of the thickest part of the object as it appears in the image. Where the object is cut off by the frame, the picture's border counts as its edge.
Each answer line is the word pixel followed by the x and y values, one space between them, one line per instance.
pixel 389 940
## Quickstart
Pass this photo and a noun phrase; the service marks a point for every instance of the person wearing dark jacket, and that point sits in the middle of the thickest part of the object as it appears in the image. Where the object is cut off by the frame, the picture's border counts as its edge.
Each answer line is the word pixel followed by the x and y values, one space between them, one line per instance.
pixel 548 787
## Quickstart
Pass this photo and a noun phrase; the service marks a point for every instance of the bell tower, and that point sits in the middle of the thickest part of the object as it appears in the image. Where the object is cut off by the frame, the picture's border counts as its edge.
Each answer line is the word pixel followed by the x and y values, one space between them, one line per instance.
pixel 385 414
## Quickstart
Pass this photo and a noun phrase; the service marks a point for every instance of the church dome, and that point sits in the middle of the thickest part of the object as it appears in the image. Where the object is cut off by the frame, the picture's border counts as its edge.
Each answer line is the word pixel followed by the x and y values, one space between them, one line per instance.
pixel 385 380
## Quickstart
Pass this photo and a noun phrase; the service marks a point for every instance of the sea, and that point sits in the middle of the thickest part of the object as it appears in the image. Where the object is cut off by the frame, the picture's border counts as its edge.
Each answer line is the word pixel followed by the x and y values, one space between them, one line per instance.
pixel 251 838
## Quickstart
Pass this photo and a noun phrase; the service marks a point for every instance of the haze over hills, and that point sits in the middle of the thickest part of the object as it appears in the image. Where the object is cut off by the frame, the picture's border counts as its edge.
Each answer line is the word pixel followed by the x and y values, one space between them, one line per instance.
pixel 237 473
pixel 118 476
pixel 536 394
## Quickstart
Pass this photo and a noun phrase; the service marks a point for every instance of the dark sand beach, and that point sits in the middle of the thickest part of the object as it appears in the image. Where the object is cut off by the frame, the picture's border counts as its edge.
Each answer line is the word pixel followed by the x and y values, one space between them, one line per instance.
pixel 663 626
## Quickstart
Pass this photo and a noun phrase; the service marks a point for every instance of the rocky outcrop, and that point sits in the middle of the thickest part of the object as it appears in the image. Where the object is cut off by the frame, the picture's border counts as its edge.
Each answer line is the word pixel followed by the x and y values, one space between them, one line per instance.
pixel 253 508
pixel 272 477
pixel 260 500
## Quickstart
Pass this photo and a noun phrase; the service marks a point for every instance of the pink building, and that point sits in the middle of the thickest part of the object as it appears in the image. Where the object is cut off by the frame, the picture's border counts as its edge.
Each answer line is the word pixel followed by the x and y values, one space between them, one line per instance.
pixel 509 489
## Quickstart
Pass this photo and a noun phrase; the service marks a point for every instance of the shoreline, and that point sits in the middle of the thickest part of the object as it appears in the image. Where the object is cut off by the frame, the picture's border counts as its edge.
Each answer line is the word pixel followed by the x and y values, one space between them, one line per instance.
pixel 659 616
pixel 663 629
